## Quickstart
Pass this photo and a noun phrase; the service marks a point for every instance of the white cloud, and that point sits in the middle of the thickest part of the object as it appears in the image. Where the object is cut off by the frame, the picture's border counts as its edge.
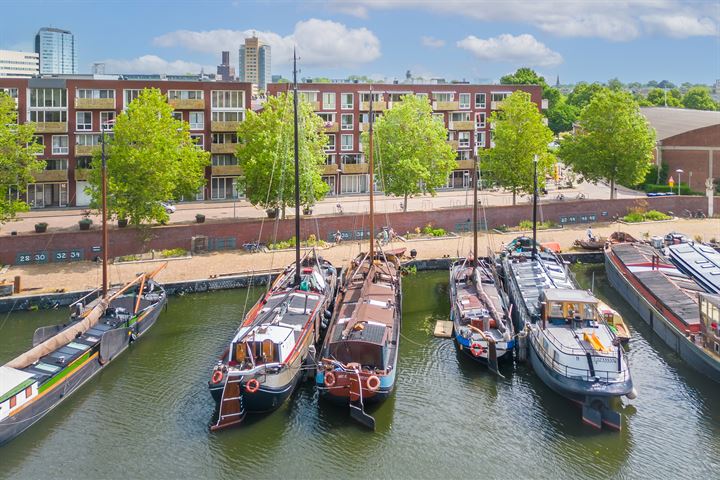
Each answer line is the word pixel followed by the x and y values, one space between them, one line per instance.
pixel 432 42
pixel 153 64
pixel 522 49
pixel 321 43
pixel 617 20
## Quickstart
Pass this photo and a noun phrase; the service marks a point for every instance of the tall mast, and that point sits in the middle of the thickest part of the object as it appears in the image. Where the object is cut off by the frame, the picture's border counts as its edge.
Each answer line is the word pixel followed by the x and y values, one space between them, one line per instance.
pixel 535 199
pixel 297 174
pixel 475 214
pixel 104 217
pixel 370 152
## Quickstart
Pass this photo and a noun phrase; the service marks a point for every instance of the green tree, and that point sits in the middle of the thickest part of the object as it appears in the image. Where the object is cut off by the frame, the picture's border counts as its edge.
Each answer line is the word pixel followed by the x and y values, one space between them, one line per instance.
pixel 18 160
pixel 519 135
pixel 562 116
pixel 583 93
pixel 699 98
pixel 266 154
pixel 613 141
pixel 151 158
pixel 523 76
pixel 411 152
pixel 615 84
pixel 658 97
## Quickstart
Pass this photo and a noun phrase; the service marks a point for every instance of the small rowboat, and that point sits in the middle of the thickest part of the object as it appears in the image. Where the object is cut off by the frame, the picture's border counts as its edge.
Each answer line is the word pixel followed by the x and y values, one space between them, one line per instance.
pixel 615 321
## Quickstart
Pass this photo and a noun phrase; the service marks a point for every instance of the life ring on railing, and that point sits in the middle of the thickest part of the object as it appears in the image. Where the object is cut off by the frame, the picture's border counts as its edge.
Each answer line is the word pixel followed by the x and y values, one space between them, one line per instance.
pixel 477 349
pixel 329 379
pixel 217 376
pixel 252 385
pixel 373 383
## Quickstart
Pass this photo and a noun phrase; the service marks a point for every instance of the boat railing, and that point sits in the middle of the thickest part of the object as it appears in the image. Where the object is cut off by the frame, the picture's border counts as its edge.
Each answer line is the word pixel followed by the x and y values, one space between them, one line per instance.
pixel 609 376
pixel 563 348
pixel 94 293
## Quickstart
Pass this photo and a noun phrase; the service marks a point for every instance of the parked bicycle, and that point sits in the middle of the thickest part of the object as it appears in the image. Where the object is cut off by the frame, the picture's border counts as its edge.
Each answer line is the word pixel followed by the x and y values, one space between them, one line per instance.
pixel 253 247
pixel 694 214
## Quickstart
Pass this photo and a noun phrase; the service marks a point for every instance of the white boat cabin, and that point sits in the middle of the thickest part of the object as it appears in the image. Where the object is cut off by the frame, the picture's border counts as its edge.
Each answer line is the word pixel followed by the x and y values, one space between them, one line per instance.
pixel 16 389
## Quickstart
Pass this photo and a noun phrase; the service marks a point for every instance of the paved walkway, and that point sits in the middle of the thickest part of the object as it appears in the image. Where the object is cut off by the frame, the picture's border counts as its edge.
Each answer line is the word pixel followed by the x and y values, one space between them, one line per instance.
pixel 87 275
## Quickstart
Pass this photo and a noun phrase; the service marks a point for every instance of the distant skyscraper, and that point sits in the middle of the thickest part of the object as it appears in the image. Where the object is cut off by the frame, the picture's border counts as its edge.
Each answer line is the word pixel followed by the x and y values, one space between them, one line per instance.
pixel 57 51
pixel 224 70
pixel 254 64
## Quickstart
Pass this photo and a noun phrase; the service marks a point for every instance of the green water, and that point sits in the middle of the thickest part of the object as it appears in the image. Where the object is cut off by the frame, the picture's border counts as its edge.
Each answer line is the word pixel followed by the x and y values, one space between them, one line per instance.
pixel 147 415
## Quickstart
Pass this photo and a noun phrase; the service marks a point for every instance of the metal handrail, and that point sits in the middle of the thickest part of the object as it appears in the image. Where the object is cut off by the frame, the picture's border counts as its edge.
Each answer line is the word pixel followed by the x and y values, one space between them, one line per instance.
pixel 570 350
pixel 624 374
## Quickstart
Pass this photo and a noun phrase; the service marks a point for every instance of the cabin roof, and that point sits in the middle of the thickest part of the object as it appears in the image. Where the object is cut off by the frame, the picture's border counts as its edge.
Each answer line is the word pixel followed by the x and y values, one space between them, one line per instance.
pixel 568 295
pixel 12 380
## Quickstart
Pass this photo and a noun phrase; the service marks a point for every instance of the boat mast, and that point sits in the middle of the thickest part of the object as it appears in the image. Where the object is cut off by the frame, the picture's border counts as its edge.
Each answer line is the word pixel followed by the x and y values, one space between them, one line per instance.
pixel 370 152
pixel 475 215
pixel 297 174
pixel 535 199
pixel 104 217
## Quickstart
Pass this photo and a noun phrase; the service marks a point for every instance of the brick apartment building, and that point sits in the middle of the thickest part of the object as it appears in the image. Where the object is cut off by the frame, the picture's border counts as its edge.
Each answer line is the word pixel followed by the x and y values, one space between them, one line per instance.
pixel 464 108
pixel 68 112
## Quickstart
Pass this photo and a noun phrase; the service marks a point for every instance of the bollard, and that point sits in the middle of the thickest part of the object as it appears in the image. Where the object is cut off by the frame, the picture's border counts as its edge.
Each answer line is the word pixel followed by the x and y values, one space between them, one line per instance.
pixel 17 286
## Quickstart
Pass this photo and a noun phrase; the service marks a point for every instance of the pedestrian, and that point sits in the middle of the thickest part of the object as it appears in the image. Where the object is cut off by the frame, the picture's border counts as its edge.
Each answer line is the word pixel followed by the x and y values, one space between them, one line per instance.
pixel 590 234
pixel 338 237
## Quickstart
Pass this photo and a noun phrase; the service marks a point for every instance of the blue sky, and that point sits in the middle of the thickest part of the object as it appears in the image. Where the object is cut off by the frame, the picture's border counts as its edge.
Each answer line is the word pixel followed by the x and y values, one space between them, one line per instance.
pixel 476 40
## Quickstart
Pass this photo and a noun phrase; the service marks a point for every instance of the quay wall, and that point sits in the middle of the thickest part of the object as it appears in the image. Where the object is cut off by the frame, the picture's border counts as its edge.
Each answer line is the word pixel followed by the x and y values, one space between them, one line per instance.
pixel 228 234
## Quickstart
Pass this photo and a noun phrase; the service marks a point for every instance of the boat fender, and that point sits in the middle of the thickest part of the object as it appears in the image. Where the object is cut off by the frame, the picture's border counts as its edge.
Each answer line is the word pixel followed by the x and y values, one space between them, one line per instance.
pixel 217 376
pixel 373 383
pixel 328 314
pixel 133 337
pixel 477 349
pixel 252 385
pixel 329 379
pixel 633 394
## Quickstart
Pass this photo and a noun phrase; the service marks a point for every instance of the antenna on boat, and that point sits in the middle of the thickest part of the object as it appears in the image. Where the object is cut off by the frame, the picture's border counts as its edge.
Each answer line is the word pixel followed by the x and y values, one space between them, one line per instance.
pixel 535 199
pixel 475 215
pixel 370 148
pixel 297 173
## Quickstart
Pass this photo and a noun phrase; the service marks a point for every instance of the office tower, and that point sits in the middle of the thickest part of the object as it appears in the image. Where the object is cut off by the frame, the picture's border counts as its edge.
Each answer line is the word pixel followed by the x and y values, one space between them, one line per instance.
pixel 57 51
pixel 254 64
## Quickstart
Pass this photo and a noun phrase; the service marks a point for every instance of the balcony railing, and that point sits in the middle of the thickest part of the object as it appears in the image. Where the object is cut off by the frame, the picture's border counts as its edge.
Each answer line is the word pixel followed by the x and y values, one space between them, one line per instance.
pixel 330 169
pixel 453 144
pixel 223 147
pixel 217 170
pixel 86 150
pixel 355 168
pixel 51 176
pixel 462 125
pixel 332 127
pixel 82 174
pixel 93 103
pixel 224 126
pixel 187 103
pixel 466 164
pixel 439 106
pixel 51 127
pixel 315 106
pixel 378 106
pixel 496 105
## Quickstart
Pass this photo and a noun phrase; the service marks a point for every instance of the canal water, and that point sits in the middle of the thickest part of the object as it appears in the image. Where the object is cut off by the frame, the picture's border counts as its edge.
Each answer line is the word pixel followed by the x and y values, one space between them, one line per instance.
pixel 147 415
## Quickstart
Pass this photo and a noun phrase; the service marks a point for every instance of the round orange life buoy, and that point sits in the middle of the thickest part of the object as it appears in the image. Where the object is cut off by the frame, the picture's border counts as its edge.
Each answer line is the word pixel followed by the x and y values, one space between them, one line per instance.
pixel 252 385
pixel 217 376
pixel 477 349
pixel 373 383
pixel 329 379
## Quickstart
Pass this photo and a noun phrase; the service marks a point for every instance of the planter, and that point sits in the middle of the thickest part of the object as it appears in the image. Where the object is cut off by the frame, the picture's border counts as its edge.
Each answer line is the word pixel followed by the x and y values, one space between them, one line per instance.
pixel 122 222
pixel 85 224
pixel 41 227
pixel 272 212
pixel 200 218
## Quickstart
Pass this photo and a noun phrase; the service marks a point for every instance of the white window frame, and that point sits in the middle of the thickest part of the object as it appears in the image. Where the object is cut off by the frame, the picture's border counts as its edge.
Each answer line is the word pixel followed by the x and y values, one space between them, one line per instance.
pixel 60 150
pixel 483 103
pixel 438 95
pixel 478 117
pixel 330 145
pixel 81 139
pixel 83 127
pixel 463 139
pixel 347 147
pixel 479 140
pixel 185 95
pixel 130 92
pixel 328 104
pixel 464 105
pixel 201 143
pixel 104 120
pixel 347 106
pixel 347 126
pixel 196 125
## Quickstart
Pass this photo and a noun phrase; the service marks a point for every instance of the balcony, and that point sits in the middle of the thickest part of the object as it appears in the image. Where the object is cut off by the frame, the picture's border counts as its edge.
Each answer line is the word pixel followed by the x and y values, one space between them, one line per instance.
pixel 315 106
pixel 51 176
pixel 332 127
pixel 82 174
pixel 364 127
pixel 224 170
pixel 95 103
pixel 445 106
pixel 330 169
pixel 224 126
pixel 377 106
pixel 462 125
pixel 51 127
pixel 223 147
pixel 86 150
pixel 466 164
pixel 496 105
pixel 355 168
pixel 187 104
pixel 453 144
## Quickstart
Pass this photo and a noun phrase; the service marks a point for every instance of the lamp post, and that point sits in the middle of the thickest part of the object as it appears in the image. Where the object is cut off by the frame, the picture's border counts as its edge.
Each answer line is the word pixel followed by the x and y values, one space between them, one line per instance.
pixel 690 181
pixel 679 171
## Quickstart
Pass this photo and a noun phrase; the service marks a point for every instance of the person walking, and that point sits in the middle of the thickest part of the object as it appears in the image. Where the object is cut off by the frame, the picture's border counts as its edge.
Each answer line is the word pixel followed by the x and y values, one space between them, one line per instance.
pixel 590 234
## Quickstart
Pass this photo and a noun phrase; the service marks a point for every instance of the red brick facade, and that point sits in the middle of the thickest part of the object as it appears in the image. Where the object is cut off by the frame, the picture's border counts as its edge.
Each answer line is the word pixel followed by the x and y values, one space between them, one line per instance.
pixel 693 160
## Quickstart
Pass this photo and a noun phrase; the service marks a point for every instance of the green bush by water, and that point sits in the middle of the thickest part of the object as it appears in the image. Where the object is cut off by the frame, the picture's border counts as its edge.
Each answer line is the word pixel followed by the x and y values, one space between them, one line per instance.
pixel 649 216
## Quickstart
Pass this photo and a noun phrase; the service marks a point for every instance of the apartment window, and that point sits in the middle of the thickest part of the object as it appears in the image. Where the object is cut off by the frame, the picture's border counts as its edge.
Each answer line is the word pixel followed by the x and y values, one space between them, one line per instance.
pixel 443 96
pixel 460 116
pixel 365 97
pixel 499 97
pixel 197 120
pixel 463 155
pixel 328 118
pixel 46 116
pixel 464 100
pixel 224 160
pixel 480 139
pixel 365 117
pixel 463 139
pixel 397 97
pixel 198 140
pixel 227 99
pixel 310 97
pixel 346 142
pixel 459 179
pixel 56 164
pixel 330 158
pixel 354 183
pixel 185 94
pixel 13 92
pixel 107 120
pixel 48 98
pixel 83 162
pixel 421 95
pixel 346 121
pixel 351 159
pixel 87 139
pixel 330 145
pixel 60 145
pixel 222 188
pixel 83 121
pixel 95 93
pixel 480 120
pixel 228 116
pixel 224 138
pixel 479 100
pixel 177 115
pixel 129 96
pixel 346 101
pixel 329 101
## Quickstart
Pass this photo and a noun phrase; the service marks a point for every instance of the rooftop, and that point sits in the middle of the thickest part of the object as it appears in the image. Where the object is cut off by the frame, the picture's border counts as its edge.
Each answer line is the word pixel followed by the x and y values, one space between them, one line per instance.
pixel 669 122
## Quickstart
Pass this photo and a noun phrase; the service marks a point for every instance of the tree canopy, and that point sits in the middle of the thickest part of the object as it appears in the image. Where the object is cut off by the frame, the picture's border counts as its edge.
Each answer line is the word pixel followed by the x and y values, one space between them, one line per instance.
pixel 699 98
pixel 411 152
pixel 560 116
pixel 151 158
pixel 266 154
pixel 519 135
pixel 523 76
pixel 658 97
pixel 583 93
pixel 18 158
pixel 613 141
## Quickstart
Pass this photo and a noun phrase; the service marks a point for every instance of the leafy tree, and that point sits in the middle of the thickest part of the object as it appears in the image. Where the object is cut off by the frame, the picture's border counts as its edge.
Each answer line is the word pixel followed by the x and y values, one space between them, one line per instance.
pixel 658 96
pixel 666 84
pixel 652 84
pixel 523 76
pixel 151 158
pixel 410 149
pixel 634 86
pixel 519 135
pixel 583 93
pixel 18 160
pixel 562 116
pixel 615 84
pixel 266 154
pixel 699 98
pixel 613 141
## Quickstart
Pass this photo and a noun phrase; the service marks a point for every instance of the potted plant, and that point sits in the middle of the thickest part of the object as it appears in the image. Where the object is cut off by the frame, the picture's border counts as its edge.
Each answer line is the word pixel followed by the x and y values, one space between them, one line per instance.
pixel 122 222
pixel 85 223
pixel 272 212
pixel 307 210
pixel 41 227
pixel 200 218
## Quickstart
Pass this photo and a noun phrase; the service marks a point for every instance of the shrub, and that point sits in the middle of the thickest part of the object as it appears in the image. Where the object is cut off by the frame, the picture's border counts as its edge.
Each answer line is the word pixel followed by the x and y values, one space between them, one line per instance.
pixel 173 252
pixel 633 217
pixel 438 232
pixel 654 215
pixel 129 258
pixel 427 230
pixel 525 225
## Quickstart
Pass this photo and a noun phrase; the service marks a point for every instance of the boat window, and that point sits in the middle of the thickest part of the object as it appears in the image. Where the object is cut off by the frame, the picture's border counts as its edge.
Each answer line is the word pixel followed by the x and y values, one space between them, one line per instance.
pixel 556 310
pixel 28 392
pixel 588 311
pixel 13 401
pixel 78 346
pixel 47 368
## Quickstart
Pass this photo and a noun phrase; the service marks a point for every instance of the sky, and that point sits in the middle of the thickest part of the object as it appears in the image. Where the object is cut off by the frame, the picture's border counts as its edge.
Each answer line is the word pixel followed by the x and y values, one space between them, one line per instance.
pixel 474 40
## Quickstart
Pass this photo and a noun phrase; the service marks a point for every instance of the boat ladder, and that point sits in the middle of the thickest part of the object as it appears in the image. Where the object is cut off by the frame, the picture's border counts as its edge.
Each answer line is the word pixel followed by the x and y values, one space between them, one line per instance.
pixel 232 410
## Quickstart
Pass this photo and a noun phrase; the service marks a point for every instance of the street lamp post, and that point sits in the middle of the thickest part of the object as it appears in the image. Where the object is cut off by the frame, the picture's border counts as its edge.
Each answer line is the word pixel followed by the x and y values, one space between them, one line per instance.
pixel 690 181
pixel 679 171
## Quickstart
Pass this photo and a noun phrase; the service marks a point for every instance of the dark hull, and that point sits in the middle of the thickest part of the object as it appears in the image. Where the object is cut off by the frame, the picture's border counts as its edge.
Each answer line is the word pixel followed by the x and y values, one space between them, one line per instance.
pixel 483 360
pixel 265 400
pixel 13 426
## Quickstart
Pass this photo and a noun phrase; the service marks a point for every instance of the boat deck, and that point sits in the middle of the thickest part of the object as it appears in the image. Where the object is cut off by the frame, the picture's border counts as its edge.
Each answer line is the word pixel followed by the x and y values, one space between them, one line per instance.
pixel 700 262
pixel 474 304
pixel 533 276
